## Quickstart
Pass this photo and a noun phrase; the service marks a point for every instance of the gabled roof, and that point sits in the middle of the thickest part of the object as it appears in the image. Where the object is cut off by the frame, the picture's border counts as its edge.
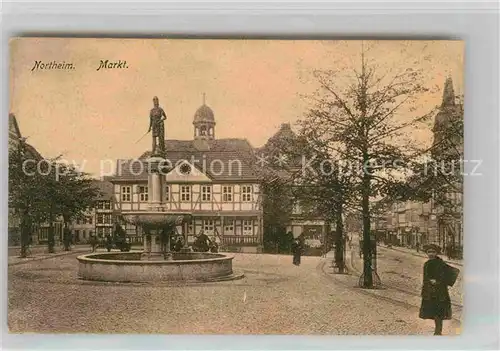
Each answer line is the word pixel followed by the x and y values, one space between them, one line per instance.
pixel 219 159
pixel 105 188
pixel 33 152
pixel 284 143
pixel 13 126
pixel 15 135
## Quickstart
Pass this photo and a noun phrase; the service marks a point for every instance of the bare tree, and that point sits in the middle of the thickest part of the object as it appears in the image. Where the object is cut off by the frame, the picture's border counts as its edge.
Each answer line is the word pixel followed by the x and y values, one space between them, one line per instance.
pixel 366 124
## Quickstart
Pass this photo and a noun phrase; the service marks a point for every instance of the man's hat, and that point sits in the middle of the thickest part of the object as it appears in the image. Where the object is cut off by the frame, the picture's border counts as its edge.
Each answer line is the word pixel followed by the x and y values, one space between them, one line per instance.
pixel 433 247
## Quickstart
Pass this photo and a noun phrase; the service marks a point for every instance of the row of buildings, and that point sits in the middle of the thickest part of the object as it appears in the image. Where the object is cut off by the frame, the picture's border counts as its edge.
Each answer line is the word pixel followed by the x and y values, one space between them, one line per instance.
pixel 414 223
pixel 97 221
pixel 216 184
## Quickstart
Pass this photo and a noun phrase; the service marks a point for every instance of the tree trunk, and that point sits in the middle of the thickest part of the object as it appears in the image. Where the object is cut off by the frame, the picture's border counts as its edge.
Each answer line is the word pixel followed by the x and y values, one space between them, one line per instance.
pixel 24 228
pixel 339 239
pixel 367 252
pixel 50 236
pixel 66 236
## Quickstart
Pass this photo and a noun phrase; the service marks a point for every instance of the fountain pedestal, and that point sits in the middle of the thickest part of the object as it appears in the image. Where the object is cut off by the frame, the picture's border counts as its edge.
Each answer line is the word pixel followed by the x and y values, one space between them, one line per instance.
pixel 157 224
pixel 154 249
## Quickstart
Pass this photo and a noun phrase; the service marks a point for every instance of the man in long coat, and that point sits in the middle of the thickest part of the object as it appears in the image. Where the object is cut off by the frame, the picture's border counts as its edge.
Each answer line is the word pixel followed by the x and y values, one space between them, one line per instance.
pixel 438 275
pixel 296 251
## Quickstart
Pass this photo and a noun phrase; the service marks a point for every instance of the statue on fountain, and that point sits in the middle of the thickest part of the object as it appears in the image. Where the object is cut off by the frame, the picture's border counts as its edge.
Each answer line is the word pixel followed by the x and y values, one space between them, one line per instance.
pixel 157 116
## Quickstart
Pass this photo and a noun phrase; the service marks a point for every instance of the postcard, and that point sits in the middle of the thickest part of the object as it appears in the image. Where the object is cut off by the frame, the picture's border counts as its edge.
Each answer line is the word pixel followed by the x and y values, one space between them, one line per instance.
pixel 230 186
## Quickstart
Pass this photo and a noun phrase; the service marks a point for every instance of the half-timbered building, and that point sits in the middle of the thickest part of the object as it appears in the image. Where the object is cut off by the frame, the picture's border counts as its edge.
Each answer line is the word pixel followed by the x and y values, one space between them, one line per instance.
pixel 211 181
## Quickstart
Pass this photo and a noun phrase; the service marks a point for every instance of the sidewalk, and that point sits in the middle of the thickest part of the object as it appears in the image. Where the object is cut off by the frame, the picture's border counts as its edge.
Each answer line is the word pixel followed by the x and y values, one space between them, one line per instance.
pixel 421 254
pixel 351 269
pixel 42 254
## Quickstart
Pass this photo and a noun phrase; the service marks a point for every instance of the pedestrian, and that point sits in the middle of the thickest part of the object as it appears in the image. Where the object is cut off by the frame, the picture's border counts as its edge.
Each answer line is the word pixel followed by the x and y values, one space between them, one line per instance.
pixel 204 242
pixel 109 242
pixel 438 275
pixel 67 239
pixel 296 251
pixel 178 244
pixel 417 246
pixel 214 247
pixel 93 242
pixel 201 244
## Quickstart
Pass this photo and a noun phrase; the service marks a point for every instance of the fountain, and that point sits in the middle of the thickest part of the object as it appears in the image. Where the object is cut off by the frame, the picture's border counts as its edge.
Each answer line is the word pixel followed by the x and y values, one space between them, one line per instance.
pixel 156 263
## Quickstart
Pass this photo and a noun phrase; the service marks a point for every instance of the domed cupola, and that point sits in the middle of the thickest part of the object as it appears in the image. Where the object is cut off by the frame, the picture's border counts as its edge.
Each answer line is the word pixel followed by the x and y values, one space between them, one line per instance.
pixel 204 122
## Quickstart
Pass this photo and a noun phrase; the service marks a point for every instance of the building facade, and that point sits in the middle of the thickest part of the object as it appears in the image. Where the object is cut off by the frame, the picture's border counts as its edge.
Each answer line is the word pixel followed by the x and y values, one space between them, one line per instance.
pixel 409 223
pixel 39 230
pixel 98 220
pixel 448 147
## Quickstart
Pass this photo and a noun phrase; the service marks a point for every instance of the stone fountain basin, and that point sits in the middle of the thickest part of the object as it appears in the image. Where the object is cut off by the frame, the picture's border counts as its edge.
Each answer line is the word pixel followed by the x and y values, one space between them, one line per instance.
pixel 153 218
pixel 128 267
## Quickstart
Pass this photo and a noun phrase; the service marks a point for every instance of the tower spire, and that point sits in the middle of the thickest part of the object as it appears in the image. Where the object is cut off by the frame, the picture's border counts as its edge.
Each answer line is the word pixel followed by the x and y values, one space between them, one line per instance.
pixel 204 99
pixel 448 93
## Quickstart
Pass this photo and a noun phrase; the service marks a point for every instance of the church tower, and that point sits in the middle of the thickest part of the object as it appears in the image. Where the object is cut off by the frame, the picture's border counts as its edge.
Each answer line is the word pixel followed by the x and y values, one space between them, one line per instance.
pixel 448 94
pixel 204 123
pixel 444 118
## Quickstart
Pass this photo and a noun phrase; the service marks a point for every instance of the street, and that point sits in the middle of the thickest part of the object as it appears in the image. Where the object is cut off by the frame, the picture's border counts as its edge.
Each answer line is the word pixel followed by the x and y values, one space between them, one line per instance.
pixel 274 297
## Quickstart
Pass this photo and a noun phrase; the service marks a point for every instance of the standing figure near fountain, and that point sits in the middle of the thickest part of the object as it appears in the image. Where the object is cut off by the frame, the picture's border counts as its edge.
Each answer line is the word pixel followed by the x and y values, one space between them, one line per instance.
pixel 157 116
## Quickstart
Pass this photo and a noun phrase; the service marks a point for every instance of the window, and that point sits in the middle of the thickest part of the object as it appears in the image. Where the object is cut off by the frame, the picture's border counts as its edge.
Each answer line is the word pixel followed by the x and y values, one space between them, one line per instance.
pixel 91 233
pixel 296 207
pixel 143 193
pixel 229 226
pixel 78 221
pixel 408 216
pixel 206 193
pixel 167 193
pixel 107 218
pixel 107 205
pixel 247 227
pixel 100 205
pixel 100 218
pixel 90 220
pixel 77 234
pixel 43 233
pixel 401 218
pixel 100 231
pixel 208 226
pixel 107 231
pixel 185 193
pixel 126 192
pixel 246 193
pixel 227 193
pixel 84 234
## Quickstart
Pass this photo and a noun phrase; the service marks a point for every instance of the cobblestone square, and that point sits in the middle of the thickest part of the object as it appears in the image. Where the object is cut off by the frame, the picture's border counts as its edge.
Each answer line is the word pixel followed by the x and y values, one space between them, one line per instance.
pixel 274 297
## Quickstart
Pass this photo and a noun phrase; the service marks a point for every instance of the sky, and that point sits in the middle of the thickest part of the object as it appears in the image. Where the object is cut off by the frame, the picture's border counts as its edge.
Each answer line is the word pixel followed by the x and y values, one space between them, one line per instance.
pixel 253 86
